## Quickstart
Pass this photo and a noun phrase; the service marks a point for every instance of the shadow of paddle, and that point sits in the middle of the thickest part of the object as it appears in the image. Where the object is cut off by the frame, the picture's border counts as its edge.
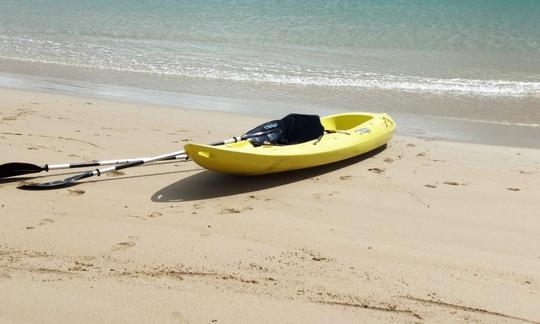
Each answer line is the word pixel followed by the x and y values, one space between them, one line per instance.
pixel 208 184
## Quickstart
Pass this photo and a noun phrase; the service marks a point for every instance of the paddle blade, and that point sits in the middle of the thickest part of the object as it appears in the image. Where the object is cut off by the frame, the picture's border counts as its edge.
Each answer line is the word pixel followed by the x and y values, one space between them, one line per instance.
pixel 56 184
pixel 16 169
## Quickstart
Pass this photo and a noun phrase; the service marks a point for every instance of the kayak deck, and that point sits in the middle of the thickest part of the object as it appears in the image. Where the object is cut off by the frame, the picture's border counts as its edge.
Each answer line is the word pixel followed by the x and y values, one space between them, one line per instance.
pixel 347 135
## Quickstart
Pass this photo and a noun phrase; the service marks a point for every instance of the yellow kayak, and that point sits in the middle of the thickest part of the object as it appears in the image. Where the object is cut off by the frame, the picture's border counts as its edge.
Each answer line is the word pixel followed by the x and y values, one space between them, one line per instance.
pixel 345 136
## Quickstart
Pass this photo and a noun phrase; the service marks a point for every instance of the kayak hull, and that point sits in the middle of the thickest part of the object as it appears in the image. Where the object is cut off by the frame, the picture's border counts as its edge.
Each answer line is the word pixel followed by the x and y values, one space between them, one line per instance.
pixel 351 134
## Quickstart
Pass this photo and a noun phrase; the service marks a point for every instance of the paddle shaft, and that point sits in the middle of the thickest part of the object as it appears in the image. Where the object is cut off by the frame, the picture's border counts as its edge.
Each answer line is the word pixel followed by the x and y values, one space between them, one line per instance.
pixel 20 168
pixel 49 167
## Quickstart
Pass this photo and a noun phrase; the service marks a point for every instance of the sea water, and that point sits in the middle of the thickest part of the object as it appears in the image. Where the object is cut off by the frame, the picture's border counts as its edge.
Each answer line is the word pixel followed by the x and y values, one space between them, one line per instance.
pixel 476 60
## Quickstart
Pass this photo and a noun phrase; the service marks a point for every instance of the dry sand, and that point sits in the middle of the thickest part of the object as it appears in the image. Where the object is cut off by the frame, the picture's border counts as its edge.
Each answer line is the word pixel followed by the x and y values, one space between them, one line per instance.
pixel 424 231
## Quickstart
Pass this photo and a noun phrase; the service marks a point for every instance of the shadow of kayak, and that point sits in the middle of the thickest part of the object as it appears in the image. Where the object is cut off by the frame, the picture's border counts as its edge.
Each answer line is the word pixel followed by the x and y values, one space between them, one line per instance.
pixel 208 184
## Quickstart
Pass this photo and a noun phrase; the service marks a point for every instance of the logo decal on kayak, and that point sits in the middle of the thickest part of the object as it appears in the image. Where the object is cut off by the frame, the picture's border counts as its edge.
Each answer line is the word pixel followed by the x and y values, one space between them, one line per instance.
pixel 363 130
pixel 270 126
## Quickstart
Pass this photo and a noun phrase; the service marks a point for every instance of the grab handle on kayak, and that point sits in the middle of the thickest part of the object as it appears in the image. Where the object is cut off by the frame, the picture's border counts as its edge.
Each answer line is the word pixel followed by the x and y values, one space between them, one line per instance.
pixel 205 154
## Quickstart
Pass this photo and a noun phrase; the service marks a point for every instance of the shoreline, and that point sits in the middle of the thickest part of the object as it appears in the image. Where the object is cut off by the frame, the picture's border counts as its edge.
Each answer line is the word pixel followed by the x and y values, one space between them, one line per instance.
pixel 467 119
pixel 425 230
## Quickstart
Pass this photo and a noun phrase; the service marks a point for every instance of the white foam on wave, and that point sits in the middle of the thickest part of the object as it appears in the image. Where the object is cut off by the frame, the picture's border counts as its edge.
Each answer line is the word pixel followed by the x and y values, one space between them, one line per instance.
pixel 398 83
pixel 181 61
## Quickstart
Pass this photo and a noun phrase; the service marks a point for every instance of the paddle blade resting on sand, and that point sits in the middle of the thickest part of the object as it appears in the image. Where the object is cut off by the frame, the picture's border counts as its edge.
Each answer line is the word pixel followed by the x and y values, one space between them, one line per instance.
pixel 16 168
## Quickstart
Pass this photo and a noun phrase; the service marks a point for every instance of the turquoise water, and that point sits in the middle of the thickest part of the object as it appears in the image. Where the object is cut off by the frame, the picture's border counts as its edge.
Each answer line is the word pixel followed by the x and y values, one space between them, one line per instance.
pixel 469 47
pixel 475 60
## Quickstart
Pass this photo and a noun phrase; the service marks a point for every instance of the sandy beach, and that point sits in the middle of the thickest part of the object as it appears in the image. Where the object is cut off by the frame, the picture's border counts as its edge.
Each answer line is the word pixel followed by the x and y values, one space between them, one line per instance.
pixel 423 231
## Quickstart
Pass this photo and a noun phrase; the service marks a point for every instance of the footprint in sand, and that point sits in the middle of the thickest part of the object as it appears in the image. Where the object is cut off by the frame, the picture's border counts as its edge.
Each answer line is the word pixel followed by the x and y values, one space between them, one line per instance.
pixel 20 113
pixel 376 170
pixel 45 221
pixel 320 195
pixel 196 208
pixel 345 178
pixel 388 160
pixel 4 276
pixel 229 211
pixel 122 246
pixel 451 183
pixel 430 186
pixel 225 211
pixel 253 197
pixel 115 173
pixel 155 214
pixel 513 189
pixel 76 192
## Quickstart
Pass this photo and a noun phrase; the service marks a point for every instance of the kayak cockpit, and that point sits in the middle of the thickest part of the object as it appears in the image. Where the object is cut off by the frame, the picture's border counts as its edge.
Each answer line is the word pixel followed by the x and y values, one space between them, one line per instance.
pixel 344 122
